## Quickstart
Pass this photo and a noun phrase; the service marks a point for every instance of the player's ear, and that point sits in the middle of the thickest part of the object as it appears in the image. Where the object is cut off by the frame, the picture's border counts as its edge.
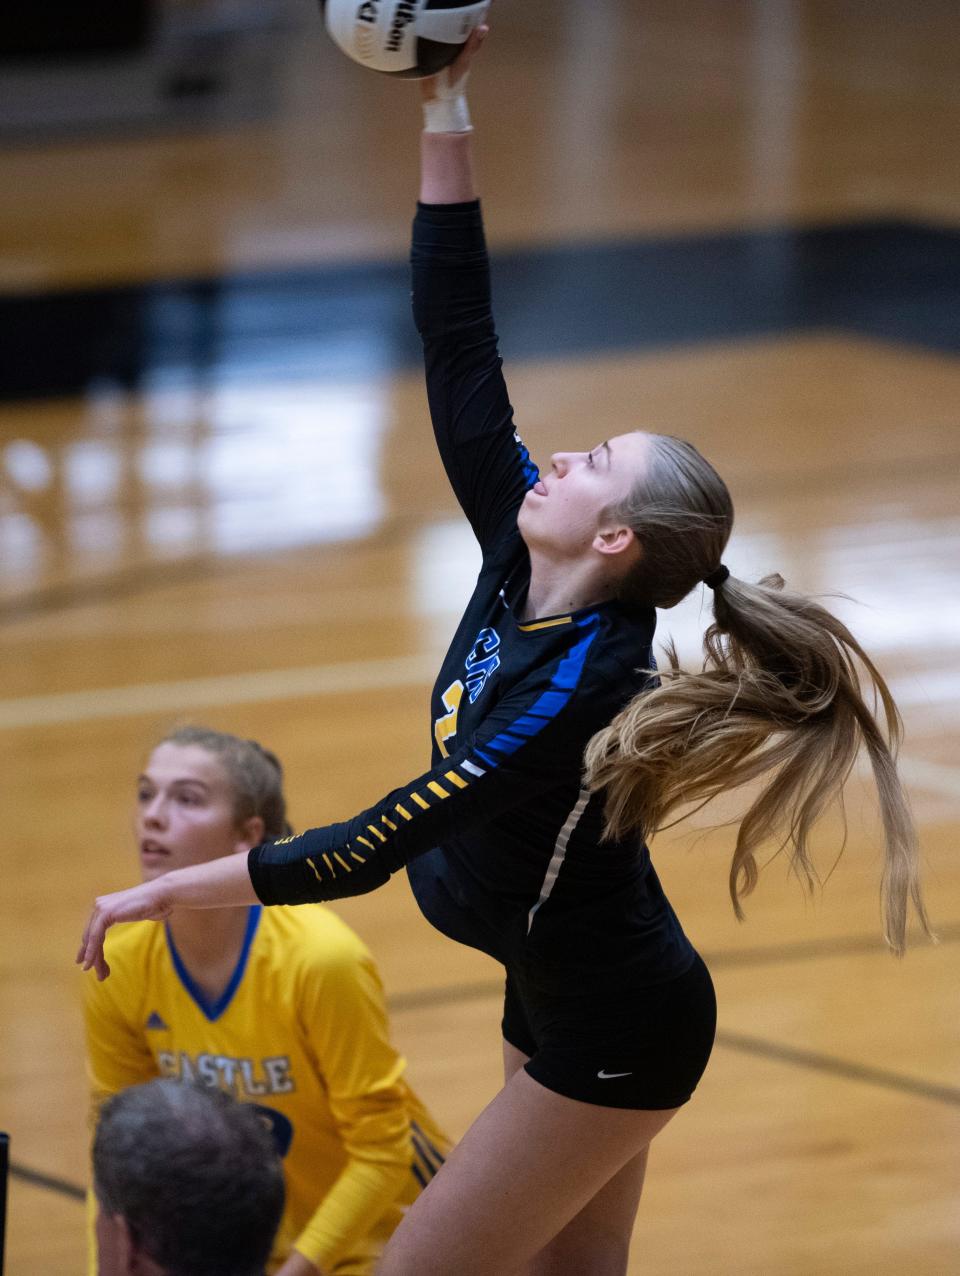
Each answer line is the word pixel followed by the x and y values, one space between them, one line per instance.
pixel 615 539
pixel 139 1263
pixel 250 834
pixel 117 1249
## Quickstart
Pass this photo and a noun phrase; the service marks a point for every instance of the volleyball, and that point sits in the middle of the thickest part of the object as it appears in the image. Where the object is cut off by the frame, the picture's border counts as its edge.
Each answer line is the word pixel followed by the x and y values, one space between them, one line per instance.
pixel 411 38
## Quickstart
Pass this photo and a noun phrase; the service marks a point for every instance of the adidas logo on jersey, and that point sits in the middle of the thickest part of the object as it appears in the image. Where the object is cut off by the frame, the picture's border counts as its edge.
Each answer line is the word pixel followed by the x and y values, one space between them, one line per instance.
pixel 155 1024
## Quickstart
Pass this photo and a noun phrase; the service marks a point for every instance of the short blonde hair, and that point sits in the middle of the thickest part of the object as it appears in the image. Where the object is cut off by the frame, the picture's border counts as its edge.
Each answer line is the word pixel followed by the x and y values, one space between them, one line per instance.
pixel 255 775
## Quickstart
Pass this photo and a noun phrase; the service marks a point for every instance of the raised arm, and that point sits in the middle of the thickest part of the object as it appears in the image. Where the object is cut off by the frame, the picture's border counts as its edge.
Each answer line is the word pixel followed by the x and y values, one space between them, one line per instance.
pixel 446 168
pixel 486 462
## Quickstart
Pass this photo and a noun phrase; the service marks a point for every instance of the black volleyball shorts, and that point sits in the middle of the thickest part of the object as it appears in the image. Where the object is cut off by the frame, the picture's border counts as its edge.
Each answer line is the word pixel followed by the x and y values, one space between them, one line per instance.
pixel 643 1048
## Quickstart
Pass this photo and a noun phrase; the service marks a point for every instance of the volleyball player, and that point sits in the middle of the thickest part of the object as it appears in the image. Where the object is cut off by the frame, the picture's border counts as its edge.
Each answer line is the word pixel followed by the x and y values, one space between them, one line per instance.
pixel 511 846
pixel 283 1008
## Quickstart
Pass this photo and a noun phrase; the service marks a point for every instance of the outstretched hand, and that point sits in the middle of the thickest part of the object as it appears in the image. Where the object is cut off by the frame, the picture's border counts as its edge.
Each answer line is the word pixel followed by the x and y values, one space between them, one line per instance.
pixel 148 902
pixel 451 81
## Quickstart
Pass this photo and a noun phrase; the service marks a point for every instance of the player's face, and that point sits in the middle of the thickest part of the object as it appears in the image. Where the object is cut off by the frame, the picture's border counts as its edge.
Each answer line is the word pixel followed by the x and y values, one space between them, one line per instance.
pixel 185 812
pixel 562 513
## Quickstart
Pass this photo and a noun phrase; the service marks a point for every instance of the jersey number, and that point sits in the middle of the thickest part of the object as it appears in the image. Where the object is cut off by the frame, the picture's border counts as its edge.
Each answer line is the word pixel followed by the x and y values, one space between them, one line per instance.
pixel 445 727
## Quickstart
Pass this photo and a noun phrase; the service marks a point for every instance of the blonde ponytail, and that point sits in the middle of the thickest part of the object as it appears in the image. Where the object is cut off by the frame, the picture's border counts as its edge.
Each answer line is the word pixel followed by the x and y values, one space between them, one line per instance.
pixel 780 692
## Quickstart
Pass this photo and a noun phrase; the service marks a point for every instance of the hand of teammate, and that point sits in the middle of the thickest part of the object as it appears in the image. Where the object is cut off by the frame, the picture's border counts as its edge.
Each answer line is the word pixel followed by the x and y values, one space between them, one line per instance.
pixel 148 902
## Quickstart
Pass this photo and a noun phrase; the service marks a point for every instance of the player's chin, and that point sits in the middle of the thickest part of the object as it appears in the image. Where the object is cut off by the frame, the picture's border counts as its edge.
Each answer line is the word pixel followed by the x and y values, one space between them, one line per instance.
pixel 534 524
pixel 152 867
pixel 527 513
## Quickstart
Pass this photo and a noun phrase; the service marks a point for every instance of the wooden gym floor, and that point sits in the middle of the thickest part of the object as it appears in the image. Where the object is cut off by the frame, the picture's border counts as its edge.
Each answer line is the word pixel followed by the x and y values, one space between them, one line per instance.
pixel 219 502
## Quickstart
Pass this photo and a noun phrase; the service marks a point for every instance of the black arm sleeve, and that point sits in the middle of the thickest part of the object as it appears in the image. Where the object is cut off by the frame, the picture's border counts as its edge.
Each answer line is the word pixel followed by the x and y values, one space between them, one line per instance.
pixel 487 464
pixel 532 742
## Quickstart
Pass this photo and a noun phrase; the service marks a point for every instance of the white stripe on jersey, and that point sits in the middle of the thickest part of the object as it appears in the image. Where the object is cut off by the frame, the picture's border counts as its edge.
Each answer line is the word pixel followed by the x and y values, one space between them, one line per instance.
pixel 559 851
pixel 473 768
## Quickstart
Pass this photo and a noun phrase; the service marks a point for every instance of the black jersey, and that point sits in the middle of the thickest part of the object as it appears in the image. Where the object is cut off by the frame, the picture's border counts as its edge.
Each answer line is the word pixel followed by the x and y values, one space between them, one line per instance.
pixel 501 819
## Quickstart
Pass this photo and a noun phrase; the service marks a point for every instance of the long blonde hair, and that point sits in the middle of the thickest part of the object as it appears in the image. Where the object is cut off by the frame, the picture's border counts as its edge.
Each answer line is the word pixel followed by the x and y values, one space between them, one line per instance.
pixel 780 691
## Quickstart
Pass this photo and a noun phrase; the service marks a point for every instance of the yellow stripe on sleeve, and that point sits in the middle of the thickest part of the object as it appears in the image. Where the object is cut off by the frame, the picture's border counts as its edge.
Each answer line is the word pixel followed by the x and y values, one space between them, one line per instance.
pixel 425 806
pixel 546 624
pixel 326 860
pixel 341 861
pixel 314 867
pixel 376 833
pixel 403 811
pixel 389 823
pixel 368 844
pixel 455 779
pixel 358 858
pixel 440 791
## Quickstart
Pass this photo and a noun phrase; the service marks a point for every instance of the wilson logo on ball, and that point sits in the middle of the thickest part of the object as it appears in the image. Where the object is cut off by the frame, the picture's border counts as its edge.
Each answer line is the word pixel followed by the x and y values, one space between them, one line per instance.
pixel 405 14
pixel 411 38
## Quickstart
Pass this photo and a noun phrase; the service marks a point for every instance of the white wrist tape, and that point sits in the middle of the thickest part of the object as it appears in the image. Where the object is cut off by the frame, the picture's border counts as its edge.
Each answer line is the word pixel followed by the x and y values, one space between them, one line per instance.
pixel 446 111
pixel 447 115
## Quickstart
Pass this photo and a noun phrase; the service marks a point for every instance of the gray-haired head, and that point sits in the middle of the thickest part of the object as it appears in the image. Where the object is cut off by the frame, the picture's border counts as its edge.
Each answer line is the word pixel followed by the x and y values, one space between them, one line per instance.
pixel 194 1175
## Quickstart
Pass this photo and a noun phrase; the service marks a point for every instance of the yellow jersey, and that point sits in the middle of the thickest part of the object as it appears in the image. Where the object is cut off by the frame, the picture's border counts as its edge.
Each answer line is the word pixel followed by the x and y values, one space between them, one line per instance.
pixel 300 1031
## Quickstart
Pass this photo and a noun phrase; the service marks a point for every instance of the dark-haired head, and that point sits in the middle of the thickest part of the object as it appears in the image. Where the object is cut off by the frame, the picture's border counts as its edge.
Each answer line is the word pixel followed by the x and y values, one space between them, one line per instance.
pixel 188 1183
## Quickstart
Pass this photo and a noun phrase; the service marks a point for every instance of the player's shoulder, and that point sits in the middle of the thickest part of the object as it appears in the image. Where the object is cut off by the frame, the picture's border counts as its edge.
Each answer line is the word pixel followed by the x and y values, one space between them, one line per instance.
pixel 313 936
pixel 131 949
pixel 309 953
pixel 607 662
pixel 624 641
pixel 129 941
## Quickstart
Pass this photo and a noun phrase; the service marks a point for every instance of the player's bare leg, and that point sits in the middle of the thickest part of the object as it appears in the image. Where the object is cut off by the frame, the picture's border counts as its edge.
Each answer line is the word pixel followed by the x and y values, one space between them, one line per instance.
pixel 597 1239
pixel 531 1163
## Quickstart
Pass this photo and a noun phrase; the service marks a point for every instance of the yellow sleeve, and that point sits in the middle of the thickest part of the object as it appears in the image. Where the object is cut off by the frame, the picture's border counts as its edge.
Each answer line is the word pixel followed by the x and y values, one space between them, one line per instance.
pixel 117 1057
pixel 346 1023
pixel 117 1051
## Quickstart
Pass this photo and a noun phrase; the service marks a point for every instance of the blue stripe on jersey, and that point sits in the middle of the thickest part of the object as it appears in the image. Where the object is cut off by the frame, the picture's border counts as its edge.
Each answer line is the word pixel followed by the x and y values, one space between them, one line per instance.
pixel 429 1155
pixel 437 1157
pixel 427 1164
pixel 213 1010
pixel 530 471
pixel 562 686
